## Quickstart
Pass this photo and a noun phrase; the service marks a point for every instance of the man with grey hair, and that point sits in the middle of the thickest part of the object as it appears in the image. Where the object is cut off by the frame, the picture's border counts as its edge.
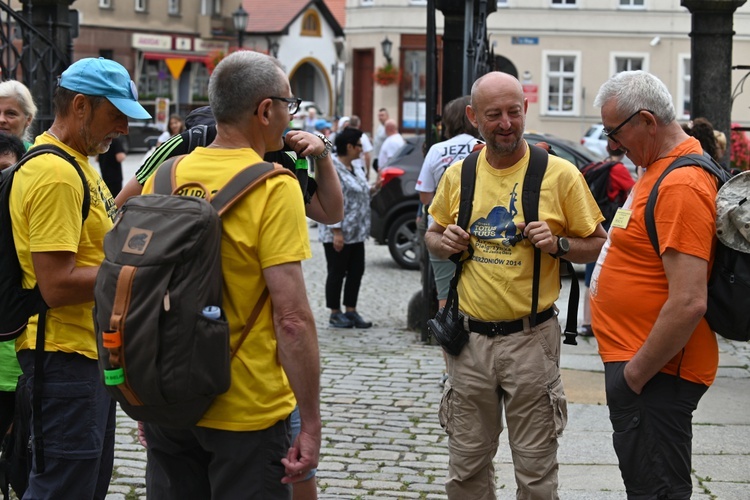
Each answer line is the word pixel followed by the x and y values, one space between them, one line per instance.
pixel 647 308
pixel 241 447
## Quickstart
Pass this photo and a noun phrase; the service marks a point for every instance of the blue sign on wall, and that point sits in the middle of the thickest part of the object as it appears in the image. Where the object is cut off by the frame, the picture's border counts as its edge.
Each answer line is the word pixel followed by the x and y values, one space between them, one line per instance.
pixel 524 40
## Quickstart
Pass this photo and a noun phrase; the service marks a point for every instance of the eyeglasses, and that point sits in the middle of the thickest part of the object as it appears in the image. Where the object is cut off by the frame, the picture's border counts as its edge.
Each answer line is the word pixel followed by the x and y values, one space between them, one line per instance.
pixel 292 102
pixel 610 134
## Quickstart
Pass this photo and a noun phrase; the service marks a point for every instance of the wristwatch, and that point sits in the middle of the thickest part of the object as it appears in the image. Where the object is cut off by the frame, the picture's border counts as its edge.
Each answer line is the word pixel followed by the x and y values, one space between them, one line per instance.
pixel 563 247
pixel 327 150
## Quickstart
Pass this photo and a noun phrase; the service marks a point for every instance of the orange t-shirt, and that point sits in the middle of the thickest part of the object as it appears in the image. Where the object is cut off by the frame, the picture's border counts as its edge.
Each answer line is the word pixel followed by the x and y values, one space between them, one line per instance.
pixel 629 286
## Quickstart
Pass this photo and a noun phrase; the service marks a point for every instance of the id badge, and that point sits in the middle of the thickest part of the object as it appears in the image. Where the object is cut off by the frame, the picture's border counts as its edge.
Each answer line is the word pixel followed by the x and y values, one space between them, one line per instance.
pixel 621 218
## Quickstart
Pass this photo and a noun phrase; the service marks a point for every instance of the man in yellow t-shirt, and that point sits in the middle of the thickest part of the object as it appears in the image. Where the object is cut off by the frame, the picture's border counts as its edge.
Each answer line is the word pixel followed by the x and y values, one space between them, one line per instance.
pixel 519 369
pixel 94 99
pixel 241 448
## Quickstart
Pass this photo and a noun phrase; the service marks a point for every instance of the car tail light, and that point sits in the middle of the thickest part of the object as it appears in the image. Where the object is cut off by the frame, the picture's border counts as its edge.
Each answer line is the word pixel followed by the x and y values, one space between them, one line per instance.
pixel 388 174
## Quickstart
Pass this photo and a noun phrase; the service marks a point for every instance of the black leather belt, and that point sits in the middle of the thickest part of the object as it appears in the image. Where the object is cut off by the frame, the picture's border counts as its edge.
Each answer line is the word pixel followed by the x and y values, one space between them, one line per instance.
pixel 493 329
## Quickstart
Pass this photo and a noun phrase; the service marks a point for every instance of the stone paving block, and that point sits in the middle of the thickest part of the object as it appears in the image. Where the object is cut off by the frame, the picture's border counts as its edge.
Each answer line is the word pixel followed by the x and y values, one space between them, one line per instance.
pixel 381 485
pixel 379 455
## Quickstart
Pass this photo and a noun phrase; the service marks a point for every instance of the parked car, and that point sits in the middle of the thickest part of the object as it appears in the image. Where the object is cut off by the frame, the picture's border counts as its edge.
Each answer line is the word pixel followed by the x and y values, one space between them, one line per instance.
pixel 595 140
pixel 298 120
pixel 394 206
pixel 141 137
pixel 574 153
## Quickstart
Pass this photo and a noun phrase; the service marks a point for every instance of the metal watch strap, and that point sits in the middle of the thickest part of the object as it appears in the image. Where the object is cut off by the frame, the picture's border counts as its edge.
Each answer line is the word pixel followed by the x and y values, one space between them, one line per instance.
pixel 326 151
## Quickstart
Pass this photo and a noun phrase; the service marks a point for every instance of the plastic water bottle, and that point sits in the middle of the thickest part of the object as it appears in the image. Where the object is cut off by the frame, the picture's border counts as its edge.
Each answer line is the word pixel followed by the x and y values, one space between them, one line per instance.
pixel 212 312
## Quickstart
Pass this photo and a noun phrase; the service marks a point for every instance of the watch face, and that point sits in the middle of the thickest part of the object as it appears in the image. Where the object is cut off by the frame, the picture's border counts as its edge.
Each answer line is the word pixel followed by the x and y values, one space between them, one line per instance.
pixel 564 245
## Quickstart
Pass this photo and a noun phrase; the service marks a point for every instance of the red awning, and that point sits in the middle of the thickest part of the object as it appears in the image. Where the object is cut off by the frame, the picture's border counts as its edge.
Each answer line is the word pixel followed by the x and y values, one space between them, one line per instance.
pixel 190 56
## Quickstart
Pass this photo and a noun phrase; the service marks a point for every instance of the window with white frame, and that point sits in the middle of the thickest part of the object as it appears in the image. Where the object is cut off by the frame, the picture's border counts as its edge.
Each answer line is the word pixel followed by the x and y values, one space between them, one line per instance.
pixel 105 4
pixel 210 7
pixel 418 2
pixel 563 3
pixel 366 2
pixel 627 61
pixel 173 7
pixel 683 92
pixel 562 83
pixel 140 5
pixel 632 4
pixel 502 3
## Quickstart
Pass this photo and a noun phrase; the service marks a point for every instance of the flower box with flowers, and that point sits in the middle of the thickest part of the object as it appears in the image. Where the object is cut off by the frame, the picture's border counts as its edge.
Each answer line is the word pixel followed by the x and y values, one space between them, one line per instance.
pixel 387 75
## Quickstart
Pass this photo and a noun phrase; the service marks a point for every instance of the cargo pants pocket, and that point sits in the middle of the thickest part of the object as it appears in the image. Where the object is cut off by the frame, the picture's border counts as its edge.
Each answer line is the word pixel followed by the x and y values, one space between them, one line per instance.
pixel 559 403
pixel 445 412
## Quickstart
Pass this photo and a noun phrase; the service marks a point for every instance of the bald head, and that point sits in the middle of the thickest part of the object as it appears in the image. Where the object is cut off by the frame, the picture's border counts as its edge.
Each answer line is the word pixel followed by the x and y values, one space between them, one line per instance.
pixel 391 127
pixel 494 83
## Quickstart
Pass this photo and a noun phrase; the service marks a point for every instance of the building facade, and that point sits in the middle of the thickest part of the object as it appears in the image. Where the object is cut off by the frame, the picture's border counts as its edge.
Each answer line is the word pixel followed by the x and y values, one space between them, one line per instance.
pixel 561 50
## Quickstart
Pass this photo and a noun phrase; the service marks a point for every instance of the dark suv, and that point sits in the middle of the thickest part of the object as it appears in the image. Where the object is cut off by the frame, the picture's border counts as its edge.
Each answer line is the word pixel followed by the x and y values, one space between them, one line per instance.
pixel 394 207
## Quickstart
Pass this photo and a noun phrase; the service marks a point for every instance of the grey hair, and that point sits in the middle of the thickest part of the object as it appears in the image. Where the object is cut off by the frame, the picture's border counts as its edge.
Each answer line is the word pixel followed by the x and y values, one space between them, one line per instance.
pixel 19 92
pixel 240 81
pixel 634 90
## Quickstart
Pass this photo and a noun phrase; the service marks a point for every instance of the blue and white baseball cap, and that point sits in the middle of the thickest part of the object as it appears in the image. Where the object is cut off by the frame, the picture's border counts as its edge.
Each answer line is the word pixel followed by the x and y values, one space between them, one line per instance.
pixel 105 78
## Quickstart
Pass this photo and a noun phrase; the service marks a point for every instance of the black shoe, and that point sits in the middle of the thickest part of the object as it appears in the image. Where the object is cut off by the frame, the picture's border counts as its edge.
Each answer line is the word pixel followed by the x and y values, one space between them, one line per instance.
pixel 357 320
pixel 340 320
pixel 585 331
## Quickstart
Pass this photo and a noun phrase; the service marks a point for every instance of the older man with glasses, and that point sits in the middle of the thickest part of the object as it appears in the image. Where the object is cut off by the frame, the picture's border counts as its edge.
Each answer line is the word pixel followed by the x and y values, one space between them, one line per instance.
pixel 241 447
pixel 647 308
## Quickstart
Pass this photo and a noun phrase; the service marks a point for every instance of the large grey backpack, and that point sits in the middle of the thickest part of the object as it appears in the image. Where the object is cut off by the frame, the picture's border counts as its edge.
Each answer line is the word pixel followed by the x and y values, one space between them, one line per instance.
pixel 163 340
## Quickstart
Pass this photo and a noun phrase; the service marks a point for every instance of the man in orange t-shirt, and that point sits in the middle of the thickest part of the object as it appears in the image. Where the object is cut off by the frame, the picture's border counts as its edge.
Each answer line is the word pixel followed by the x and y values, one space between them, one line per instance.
pixel 659 353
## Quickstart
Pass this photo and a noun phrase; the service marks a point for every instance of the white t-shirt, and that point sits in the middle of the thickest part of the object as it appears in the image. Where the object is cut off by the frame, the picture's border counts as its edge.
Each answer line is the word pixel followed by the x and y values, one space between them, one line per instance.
pixel 391 144
pixel 366 144
pixel 441 156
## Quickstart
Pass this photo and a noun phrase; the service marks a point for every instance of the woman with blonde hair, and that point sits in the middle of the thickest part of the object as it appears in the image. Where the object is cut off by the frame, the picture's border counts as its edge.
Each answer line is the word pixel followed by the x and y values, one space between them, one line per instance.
pixel 17 110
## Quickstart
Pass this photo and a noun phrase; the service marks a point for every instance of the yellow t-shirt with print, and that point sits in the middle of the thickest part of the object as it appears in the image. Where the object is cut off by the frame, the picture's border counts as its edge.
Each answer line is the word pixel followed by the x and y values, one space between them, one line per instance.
pixel 45 210
pixel 496 283
pixel 267 227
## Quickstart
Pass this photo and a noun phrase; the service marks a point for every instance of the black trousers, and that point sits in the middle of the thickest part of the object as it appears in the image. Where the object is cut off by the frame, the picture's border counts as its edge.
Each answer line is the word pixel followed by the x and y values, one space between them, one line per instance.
pixel 347 264
pixel 653 433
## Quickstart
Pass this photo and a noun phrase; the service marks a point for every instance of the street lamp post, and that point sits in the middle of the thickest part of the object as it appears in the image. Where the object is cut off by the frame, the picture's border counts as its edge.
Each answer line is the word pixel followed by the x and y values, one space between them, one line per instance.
pixel 239 17
pixel 387 45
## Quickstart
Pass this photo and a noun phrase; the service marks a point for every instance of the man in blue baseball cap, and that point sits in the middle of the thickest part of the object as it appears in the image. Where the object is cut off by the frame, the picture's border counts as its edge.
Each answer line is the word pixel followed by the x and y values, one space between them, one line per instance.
pixel 61 252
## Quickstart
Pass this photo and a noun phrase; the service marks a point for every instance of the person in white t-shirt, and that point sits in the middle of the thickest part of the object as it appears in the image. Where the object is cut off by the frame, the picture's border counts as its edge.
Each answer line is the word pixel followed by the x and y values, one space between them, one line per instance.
pixel 366 155
pixel 392 143
pixel 379 137
pixel 462 137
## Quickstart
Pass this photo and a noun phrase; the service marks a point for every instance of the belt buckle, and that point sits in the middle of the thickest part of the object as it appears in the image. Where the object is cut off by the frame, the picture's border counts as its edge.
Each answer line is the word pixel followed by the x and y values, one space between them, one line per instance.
pixel 497 329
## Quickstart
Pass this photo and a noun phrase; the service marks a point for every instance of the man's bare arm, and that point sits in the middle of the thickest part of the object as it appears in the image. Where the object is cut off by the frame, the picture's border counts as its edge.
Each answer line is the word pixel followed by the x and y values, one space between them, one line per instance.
pixel 327 204
pixel 60 281
pixel 297 340
pixel 685 306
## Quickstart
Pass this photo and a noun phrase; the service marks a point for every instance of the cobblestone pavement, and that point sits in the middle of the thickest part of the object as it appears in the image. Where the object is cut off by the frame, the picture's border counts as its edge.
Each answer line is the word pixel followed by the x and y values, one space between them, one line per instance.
pixel 381 436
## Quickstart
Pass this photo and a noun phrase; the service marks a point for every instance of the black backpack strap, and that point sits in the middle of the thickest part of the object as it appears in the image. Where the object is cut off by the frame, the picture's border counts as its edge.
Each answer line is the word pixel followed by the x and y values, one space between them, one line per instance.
pixel 532 185
pixel 243 182
pixel 36 395
pixel 164 175
pixel 465 206
pixel 692 160
pixel 43 149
